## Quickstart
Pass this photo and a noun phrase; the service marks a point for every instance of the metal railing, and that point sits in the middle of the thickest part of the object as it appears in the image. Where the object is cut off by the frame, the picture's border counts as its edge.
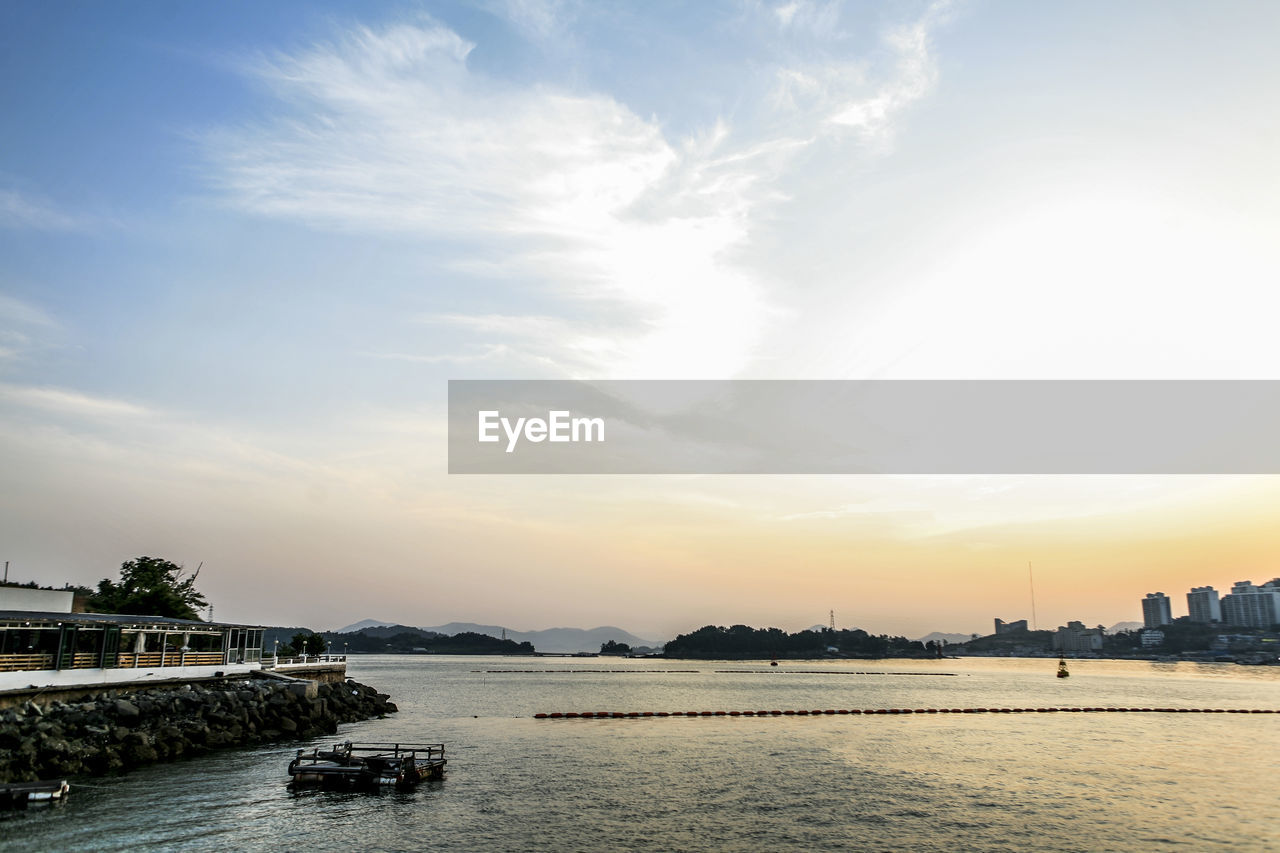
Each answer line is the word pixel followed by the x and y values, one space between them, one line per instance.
pixel 271 661
pixel 123 660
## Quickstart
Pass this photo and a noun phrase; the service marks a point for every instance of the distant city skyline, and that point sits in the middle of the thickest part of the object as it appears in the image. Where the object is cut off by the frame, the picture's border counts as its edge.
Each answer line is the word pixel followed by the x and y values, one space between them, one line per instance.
pixel 1246 605
pixel 245 246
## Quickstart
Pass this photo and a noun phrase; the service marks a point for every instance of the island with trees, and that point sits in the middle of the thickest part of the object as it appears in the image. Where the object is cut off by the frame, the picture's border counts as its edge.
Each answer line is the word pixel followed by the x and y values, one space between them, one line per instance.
pixel 392 639
pixel 744 642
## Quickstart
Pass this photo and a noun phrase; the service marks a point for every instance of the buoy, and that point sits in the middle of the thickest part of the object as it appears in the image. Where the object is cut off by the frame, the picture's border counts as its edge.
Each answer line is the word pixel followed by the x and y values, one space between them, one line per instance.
pixel 600 715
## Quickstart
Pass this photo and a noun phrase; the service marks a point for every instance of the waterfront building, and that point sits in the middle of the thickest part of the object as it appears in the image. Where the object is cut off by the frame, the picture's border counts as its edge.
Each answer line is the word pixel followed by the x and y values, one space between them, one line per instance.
pixel 1203 605
pixel 1156 610
pixel 1151 637
pixel 1003 627
pixel 1249 606
pixel 57 648
pixel 1075 637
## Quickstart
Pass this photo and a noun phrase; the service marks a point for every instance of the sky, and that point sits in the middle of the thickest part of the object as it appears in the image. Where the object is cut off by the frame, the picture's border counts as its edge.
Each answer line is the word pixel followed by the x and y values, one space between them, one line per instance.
pixel 244 246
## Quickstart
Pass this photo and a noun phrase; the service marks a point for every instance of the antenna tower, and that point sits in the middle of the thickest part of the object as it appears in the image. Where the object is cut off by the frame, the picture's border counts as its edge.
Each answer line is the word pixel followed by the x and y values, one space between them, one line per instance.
pixel 1031 580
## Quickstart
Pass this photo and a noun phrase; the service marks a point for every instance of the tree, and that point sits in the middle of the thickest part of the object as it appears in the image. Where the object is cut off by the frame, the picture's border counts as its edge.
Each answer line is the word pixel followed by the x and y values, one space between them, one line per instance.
pixel 304 643
pixel 614 648
pixel 150 586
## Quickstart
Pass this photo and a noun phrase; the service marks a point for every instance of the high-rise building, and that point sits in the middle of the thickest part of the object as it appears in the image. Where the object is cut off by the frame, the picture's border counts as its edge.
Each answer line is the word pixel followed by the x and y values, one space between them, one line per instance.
pixel 1250 606
pixel 1156 610
pixel 1003 627
pixel 1203 605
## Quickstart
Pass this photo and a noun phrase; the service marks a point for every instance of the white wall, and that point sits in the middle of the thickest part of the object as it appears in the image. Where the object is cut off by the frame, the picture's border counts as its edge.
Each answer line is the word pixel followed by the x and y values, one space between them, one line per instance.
pixel 25 598
pixel 102 677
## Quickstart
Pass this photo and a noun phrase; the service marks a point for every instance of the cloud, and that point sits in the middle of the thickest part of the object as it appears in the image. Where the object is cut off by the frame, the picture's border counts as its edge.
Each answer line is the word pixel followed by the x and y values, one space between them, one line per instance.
pixel 830 92
pixel 571 194
pixel 74 403
pixel 488 354
pixel 21 211
pixel 25 329
pixel 915 75
pixel 538 19
pixel 807 15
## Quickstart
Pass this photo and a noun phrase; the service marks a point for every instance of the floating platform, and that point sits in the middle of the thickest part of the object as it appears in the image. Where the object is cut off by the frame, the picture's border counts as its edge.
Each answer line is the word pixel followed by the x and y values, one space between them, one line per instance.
pixel 368 766
pixel 21 795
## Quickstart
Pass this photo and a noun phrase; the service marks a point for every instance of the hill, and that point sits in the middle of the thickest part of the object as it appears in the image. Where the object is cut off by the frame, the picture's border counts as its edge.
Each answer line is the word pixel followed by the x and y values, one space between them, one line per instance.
pixel 940 637
pixel 562 640
pixel 362 624
pixel 554 639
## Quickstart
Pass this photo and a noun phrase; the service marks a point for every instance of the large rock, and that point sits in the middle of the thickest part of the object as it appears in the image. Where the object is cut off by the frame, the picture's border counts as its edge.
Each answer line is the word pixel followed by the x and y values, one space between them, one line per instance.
pixel 126 711
pixel 118 729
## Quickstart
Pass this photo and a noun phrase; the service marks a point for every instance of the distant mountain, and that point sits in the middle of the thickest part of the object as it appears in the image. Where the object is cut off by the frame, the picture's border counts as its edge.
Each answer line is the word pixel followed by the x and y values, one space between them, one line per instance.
pixel 363 623
pixel 937 636
pixel 1124 626
pixel 387 631
pixel 552 639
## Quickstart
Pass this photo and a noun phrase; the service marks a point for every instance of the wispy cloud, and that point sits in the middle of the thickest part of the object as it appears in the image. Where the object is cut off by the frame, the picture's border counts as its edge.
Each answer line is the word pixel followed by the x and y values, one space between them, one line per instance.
pixel 825 90
pixel 20 210
pixel 25 329
pixel 915 74
pixel 572 193
pixel 539 19
pixel 74 403
pixel 489 354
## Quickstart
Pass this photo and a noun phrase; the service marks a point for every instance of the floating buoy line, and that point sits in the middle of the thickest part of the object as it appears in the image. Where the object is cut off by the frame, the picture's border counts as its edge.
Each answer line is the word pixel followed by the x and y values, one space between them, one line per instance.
pixel 617 715
pixel 508 671
pixel 824 672
pixel 717 671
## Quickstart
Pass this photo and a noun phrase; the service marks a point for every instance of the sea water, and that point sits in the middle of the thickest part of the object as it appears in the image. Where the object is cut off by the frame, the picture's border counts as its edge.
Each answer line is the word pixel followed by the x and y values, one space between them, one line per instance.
pixel 1031 781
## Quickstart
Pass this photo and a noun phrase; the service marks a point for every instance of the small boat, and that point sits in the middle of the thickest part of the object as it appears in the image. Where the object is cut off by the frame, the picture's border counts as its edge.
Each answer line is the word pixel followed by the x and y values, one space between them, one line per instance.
pixel 774 661
pixel 368 766
pixel 1062 668
pixel 20 795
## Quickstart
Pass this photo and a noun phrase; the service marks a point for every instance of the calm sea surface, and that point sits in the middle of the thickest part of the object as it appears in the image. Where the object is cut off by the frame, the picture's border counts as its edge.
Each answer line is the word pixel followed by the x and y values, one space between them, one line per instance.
pixel 1067 782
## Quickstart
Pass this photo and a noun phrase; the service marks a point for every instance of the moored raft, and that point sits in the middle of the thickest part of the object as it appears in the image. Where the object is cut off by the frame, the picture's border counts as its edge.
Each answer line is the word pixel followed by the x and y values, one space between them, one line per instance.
pixel 368 766
pixel 20 795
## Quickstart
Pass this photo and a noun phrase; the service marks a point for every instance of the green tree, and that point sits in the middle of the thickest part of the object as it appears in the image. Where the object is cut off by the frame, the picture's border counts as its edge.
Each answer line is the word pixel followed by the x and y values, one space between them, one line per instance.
pixel 304 643
pixel 614 648
pixel 149 586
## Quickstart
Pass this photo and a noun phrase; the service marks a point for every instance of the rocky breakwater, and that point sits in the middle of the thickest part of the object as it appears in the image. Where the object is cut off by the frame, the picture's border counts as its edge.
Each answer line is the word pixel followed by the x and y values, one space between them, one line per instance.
pixel 114 731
